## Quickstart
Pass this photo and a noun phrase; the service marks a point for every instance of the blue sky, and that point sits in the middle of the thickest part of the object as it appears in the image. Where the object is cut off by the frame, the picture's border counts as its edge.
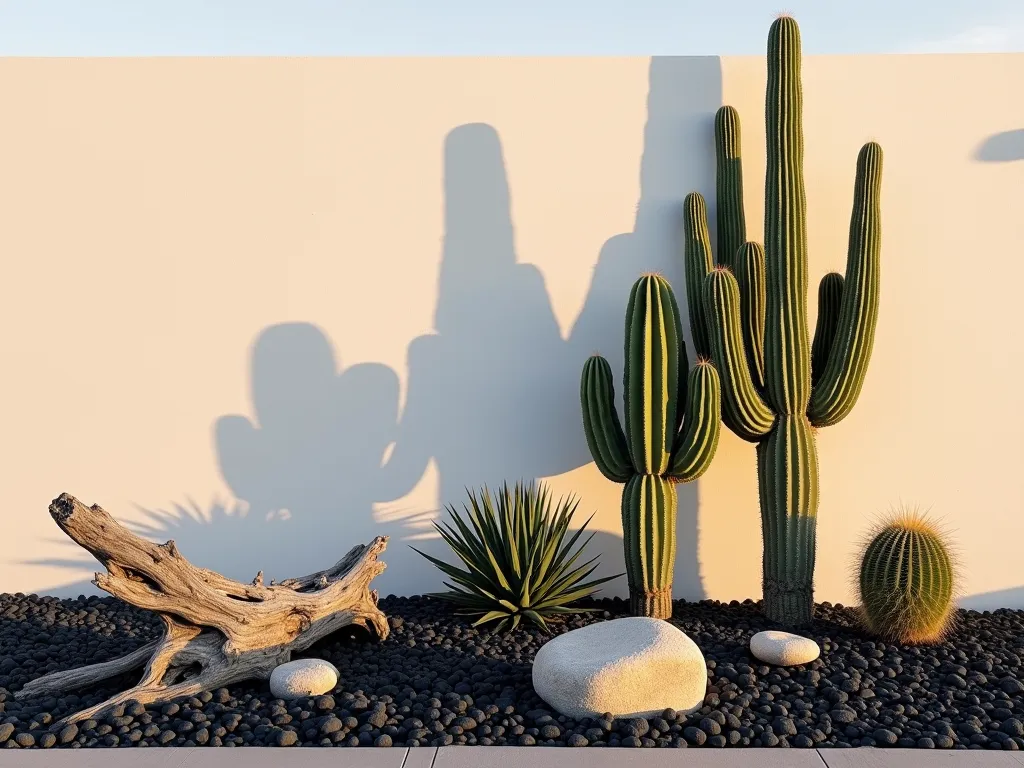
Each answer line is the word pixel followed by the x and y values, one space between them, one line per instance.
pixel 497 27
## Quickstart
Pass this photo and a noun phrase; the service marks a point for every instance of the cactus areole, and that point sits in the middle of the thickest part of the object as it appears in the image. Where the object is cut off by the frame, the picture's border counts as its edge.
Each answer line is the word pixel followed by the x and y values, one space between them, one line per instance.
pixel 672 428
pixel 749 314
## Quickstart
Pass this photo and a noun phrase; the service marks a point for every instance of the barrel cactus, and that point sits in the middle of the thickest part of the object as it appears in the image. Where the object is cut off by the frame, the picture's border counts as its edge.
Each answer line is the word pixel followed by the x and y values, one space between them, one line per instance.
pixel 672 427
pixel 749 314
pixel 907 580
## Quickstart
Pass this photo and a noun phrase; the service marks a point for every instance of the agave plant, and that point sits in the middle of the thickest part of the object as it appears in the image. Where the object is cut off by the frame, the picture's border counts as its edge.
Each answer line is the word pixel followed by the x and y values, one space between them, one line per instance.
pixel 518 565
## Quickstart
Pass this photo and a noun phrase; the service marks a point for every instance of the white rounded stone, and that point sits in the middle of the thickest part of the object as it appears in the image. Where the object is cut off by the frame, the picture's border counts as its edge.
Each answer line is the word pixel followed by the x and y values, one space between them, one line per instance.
pixel 783 649
pixel 631 667
pixel 303 677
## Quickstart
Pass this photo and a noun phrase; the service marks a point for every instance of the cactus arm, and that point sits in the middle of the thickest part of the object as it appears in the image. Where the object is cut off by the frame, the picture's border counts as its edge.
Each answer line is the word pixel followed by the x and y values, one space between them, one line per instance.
pixel 743 409
pixel 830 297
pixel 787 348
pixel 732 226
pixel 698 264
pixel 696 445
pixel 601 423
pixel 653 338
pixel 843 377
pixel 749 269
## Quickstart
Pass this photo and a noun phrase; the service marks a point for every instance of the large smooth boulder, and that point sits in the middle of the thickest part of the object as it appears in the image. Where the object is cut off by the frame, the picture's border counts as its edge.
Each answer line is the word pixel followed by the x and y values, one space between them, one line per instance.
pixel 303 677
pixel 632 667
pixel 783 649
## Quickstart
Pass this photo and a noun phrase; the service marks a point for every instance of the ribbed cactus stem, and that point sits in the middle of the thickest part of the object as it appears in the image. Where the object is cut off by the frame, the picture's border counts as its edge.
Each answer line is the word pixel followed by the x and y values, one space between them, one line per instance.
pixel 787 471
pixel 653 337
pixel 649 535
pixel 830 298
pixel 907 580
pixel 698 265
pixel 732 224
pixel 787 347
pixel 749 270
pixel 672 428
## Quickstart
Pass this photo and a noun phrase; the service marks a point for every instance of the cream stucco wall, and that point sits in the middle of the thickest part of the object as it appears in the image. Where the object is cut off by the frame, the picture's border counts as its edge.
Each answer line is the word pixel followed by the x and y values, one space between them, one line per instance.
pixel 272 307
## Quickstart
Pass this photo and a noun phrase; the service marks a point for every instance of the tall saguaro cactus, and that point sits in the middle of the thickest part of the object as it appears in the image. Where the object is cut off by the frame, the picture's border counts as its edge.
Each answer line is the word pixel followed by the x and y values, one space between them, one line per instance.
pixel 672 428
pixel 749 314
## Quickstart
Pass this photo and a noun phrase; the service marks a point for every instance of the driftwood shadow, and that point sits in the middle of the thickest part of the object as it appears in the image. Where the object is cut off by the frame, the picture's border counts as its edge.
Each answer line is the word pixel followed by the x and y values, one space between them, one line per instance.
pixel 492 392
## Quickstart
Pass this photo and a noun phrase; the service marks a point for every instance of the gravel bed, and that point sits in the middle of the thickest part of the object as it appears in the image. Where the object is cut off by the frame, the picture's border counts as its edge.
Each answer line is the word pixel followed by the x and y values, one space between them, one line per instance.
pixel 436 681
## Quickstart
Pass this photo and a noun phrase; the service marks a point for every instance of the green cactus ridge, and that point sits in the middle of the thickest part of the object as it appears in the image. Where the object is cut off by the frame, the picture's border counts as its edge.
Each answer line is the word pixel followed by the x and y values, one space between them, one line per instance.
pixel 750 311
pixel 672 426
pixel 907 581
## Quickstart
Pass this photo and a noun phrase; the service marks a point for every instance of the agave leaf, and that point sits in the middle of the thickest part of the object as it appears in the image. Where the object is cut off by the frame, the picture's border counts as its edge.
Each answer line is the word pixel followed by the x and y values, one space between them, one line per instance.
pixel 446 567
pixel 512 546
pixel 571 579
pixel 469 595
pixel 472 569
pixel 553 558
pixel 524 598
pixel 451 570
pixel 584 590
pixel 490 616
pixel 536 618
pixel 492 543
pixel 474 588
pixel 468 538
pixel 469 558
pixel 564 551
pixel 559 609
pixel 565 586
pixel 562 574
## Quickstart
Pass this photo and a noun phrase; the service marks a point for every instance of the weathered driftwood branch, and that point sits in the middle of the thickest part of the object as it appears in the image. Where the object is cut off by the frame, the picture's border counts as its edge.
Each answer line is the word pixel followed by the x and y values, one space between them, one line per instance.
pixel 216 631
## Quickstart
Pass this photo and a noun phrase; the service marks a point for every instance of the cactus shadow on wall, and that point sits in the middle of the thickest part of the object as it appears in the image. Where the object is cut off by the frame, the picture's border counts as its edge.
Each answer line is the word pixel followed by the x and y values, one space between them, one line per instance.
pixel 994 600
pixel 1004 147
pixel 492 392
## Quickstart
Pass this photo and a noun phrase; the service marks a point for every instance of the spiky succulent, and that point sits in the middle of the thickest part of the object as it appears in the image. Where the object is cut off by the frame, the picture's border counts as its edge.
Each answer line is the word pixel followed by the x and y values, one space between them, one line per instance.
pixel 907 579
pixel 518 565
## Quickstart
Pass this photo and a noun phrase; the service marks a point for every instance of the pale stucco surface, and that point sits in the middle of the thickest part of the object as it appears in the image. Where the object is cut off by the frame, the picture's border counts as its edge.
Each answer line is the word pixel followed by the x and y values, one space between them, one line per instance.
pixel 226 279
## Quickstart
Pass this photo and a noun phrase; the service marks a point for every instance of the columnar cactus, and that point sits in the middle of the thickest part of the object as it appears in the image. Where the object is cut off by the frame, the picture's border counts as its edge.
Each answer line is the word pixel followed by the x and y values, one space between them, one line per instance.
pixel 907 580
pixel 672 428
pixel 749 314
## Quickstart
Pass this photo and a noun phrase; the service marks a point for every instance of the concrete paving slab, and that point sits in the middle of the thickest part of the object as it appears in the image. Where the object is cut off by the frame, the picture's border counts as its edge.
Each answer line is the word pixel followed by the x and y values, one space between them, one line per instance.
pixel 420 757
pixel 870 757
pixel 293 757
pixel 566 757
pixel 505 757
pixel 146 757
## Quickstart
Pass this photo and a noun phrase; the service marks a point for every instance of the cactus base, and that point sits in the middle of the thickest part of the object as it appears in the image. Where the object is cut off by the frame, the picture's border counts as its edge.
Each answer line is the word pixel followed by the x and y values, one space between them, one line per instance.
pixel 791 605
pixel 655 605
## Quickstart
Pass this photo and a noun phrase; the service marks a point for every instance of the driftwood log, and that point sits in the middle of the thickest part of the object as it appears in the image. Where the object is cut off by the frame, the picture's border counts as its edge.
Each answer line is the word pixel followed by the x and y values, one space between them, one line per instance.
pixel 216 631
